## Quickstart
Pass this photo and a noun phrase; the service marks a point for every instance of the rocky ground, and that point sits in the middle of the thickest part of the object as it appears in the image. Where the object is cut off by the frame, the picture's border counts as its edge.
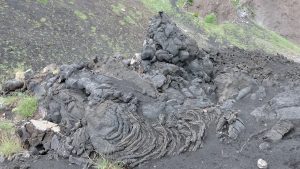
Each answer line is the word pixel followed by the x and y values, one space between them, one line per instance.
pixel 174 105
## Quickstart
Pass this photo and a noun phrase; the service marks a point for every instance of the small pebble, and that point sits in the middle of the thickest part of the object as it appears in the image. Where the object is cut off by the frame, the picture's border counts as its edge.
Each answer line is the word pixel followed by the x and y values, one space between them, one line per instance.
pixel 264 146
pixel 262 164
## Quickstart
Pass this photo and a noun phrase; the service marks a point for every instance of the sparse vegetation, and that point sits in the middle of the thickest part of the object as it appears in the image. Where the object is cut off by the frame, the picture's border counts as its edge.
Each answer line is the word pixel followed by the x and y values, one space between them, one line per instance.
pixel 159 5
pixel 80 15
pixel 129 20
pixel 190 2
pixel 44 2
pixel 118 8
pixel 106 164
pixel 9 145
pixel 183 3
pixel 235 2
pixel 211 18
pixel 6 125
pixel 93 29
pixel 27 106
pixel 9 100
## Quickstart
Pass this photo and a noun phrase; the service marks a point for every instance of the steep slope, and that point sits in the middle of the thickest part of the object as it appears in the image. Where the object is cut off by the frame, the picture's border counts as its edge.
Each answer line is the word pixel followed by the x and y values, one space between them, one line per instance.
pixel 38 32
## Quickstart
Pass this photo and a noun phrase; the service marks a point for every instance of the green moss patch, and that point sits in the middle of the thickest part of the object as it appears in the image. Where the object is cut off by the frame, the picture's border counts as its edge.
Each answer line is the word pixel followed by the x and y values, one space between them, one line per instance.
pixel 81 15
pixel 211 18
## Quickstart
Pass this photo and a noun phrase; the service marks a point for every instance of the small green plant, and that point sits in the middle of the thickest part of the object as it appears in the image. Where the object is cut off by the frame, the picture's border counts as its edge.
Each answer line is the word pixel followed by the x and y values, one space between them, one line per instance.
pixel 118 9
pixel 196 14
pixel 6 125
pixel 235 2
pixel 106 164
pixel 129 20
pixel 93 29
pixel 9 145
pixel 190 2
pixel 27 106
pixel 44 2
pixel 81 15
pixel 9 101
pixel 183 3
pixel 210 18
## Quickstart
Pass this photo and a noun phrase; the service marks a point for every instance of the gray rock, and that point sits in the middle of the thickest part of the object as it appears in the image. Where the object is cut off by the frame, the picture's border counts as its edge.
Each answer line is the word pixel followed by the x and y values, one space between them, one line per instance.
pixel 208 66
pixel 12 85
pixel 262 164
pixel 158 80
pixel 126 62
pixel 55 143
pixel 235 129
pixel 2 159
pixel 183 55
pixel 278 131
pixel 78 160
pixel 169 42
pixel 63 152
pixel 148 53
pixel 264 146
pixel 227 105
pixel 244 92
pixel 187 93
pixel 153 110
pixel 285 105
pixel 163 55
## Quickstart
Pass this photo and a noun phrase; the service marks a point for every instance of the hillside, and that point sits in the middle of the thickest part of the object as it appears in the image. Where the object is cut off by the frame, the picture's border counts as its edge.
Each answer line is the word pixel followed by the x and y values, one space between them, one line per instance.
pixel 143 84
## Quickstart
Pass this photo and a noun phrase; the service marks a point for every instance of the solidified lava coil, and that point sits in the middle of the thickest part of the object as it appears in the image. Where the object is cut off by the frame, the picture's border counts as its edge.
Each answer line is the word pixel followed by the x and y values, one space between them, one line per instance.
pixel 160 107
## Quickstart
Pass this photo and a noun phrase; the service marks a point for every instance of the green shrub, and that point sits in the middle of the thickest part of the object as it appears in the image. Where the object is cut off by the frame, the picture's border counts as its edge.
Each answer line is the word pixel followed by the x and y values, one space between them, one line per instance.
pixel 27 106
pixel 106 164
pixel 9 145
pixel 6 125
pixel 190 2
pixel 211 18
pixel 235 2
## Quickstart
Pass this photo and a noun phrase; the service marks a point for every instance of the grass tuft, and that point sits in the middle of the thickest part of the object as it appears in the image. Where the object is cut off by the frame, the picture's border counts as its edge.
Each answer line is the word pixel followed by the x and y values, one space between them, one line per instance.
pixel 159 5
pixel 27 106
pixel 44 2
pixel 80 15
pixel 106 164
pixel 118 9
pixel 9 101
pixel 235 2
pixel 6 125
pixel 9 145
pixel 210 18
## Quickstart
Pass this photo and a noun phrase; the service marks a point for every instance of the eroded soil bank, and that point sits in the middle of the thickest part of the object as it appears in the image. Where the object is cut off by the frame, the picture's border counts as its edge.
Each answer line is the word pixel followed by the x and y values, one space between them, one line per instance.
pixel 172 106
